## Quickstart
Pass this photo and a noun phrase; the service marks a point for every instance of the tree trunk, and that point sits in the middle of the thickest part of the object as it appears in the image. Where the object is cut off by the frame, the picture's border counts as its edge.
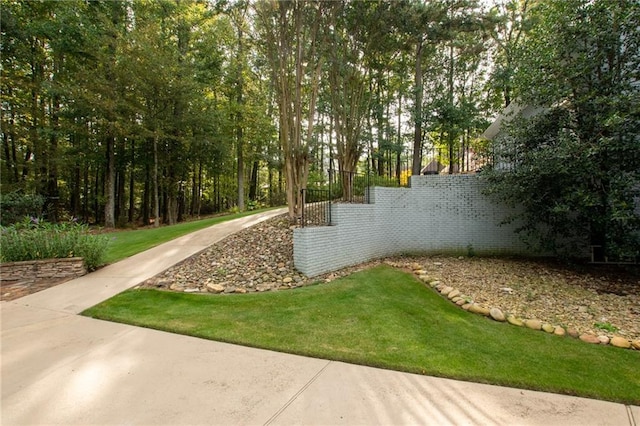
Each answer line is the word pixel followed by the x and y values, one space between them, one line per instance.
pixel 296 67
pixel 121 182
pixel 240 178
pixel 172 192
pixel 199 195
pixel 372 150
pixel 181 203
pixel 194 192
pixel 110 139
pixel 121 196
pixel 417 135
pixel 332 165
pixel 98 191
pixel 85 201
pixel 380 125
pixel 270 187
pixel 164 213
pixel 399 143
pixel 110 184
pixel 156 189
pixel 387 137
pixel 74 202
pixel 451 156
pixel 9 147
pixel 53 193
pixel 132 184
pixel 36 78
pixel 253 185
pixel 216 192
pixel 450 98
pixel 238 117
pixel 146 195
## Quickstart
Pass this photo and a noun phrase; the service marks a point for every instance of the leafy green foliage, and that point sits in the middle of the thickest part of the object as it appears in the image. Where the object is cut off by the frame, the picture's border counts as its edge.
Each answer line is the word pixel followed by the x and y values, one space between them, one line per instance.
pixel 33 239
pixel 575 168
pixel 386 318
pixel 606 326
pixel 90 88
pixel 14 206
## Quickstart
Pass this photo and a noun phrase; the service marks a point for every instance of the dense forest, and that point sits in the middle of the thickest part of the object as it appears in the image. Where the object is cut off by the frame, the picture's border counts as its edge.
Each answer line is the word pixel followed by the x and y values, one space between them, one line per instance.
pixel 119 112
pixel 152 111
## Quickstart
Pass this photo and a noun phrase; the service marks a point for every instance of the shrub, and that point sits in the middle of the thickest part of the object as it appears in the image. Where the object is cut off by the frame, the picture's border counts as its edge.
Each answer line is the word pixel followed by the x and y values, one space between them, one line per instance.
pixel 14 206
pixel 32 239
pixel 255 205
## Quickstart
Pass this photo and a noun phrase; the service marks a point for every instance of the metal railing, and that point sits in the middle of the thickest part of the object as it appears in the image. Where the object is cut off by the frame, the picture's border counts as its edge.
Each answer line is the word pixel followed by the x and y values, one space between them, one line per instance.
pixel 316 207
pixel 342 187
pixel 349 187
pixel 352 187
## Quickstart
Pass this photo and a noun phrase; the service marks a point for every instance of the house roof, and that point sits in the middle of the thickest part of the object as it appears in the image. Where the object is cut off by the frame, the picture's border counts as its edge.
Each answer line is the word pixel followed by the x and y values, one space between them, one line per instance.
pixel 508 114
pixel 433 167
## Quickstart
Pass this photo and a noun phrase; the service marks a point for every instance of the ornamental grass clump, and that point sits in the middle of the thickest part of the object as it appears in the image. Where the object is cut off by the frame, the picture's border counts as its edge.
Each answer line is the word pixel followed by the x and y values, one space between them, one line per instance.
pixel 33 239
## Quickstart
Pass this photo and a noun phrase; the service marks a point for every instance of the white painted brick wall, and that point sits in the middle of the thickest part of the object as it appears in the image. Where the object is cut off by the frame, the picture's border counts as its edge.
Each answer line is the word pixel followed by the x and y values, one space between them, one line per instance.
pixel 437 214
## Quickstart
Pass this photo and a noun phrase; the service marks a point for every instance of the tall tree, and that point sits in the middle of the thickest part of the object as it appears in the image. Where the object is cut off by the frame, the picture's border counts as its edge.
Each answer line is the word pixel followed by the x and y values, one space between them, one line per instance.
pixel 347 46
pixel 423 26
pixel 511 18
pixel 455 95
pixel 238 15
pixel 290 30
pixel 427 27
pixel 116 13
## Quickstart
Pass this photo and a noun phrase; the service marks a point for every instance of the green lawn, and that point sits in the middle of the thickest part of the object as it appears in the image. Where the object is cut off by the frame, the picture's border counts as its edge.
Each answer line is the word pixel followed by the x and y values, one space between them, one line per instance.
pixel 386 318
pixel 123 244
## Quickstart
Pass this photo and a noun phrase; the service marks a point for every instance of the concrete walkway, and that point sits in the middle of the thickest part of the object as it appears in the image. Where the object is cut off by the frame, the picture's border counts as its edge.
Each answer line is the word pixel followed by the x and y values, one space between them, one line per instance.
pixel 62 368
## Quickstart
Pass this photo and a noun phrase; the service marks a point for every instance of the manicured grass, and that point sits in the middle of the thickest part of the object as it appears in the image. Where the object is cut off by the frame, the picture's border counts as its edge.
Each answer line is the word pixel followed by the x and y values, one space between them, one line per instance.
pixel 386 318
pixel 123 244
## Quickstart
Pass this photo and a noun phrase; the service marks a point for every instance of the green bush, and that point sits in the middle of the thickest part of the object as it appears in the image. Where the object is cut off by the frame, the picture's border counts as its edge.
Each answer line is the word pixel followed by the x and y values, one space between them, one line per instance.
pixel 14 206
pixel 253 205
pixel 32 239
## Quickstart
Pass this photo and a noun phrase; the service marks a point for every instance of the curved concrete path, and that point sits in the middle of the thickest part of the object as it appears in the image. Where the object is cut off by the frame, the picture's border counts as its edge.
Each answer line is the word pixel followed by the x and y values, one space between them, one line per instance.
pixel 59 368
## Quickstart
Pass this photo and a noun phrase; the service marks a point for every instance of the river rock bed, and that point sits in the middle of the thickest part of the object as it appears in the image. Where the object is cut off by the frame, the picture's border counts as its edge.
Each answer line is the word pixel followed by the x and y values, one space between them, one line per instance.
pixel 256 259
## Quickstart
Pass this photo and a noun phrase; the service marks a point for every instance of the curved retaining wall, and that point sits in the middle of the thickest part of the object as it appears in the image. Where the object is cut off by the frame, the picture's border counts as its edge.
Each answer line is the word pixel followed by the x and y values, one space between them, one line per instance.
pixel 440 213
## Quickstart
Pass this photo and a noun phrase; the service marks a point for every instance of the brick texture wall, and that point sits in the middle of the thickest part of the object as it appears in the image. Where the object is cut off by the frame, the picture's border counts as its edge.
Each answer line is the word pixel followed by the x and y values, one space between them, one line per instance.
pixel 437 214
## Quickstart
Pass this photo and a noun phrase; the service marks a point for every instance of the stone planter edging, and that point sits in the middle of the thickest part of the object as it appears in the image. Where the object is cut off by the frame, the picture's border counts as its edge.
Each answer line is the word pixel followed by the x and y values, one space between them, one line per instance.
pixel 495 313
pixel 33 270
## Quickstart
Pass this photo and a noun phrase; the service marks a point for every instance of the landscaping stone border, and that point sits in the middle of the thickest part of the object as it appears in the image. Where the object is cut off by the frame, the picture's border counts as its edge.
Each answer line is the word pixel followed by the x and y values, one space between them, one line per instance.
pixel 34 270
pixel 497 314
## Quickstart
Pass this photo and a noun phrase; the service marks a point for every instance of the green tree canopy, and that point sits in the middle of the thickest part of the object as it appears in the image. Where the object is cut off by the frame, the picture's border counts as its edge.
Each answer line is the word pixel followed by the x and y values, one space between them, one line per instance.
pixel 575 167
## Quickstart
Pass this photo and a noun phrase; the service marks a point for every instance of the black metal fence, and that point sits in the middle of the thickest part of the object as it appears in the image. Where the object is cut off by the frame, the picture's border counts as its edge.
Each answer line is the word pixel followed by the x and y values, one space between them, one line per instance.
pixel 316 207
pixel 351 187
pixel 341 187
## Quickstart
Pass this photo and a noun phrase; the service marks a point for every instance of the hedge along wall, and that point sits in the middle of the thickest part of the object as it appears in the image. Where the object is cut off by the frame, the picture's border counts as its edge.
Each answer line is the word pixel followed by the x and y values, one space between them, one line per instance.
pixel 33 270
pixel 439 213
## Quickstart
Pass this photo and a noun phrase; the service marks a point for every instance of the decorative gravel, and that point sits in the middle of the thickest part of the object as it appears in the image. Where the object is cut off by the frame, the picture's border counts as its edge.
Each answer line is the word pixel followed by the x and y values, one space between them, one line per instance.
pixel 599 300
pixel 256 259
pixel 603 300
